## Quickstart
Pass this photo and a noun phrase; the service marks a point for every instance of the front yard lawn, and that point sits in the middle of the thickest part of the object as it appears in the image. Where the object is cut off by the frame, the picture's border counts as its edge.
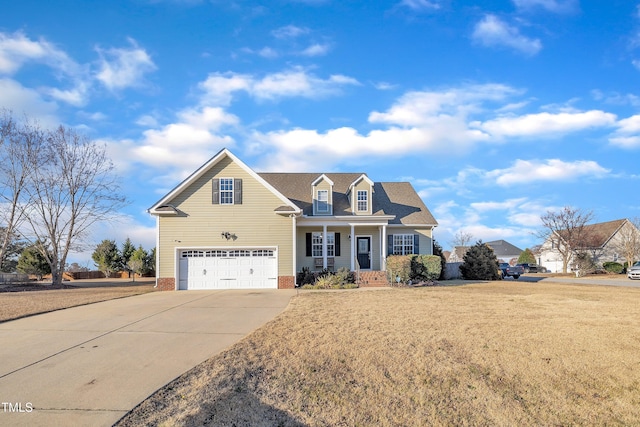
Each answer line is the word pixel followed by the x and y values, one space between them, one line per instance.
pixel 499 353
pixel 14 305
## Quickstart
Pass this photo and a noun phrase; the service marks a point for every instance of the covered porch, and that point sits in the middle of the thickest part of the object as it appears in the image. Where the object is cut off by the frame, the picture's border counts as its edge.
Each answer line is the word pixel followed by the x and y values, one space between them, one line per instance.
pixel 333 244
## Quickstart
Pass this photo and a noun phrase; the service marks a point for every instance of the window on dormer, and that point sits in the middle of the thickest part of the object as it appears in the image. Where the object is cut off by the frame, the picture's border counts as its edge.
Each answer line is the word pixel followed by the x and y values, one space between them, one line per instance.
pixel 363 200
pixel 323 201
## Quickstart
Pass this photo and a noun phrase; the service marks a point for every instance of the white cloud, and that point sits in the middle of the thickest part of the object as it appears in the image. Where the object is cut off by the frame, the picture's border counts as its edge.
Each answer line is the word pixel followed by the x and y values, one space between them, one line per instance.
pixel 290 32
pixel 420 5
pixel 384 86
pixel 147 120
pixel 295 82
pixel 556 6
pixel 16 49
pixel 420 108
pixel 316 49
pixel 545 123
pixel 303 149
pixel 628 133
pixel 493 32
pixel 123 67
pixel 554 170
pixel 22 100
pixel 267 52
pixel 184 145
pixel 497 206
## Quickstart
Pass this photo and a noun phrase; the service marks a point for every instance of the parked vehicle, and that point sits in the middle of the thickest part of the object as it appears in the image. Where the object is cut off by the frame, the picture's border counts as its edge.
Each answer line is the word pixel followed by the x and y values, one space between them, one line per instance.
pixel 634 271
pixel 532 268
pixel 509 271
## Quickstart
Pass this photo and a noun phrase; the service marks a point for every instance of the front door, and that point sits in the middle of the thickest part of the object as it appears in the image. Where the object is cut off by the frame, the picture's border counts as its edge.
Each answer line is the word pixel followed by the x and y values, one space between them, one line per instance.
pixel 364 252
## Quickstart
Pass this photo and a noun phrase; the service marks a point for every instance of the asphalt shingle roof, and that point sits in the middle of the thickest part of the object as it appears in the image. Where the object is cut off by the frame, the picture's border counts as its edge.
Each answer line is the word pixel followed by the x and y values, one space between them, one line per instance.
pixel 389 198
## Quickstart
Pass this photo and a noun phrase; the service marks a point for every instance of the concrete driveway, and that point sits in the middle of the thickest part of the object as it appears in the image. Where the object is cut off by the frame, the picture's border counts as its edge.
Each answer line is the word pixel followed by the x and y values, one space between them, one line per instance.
pixel 90 365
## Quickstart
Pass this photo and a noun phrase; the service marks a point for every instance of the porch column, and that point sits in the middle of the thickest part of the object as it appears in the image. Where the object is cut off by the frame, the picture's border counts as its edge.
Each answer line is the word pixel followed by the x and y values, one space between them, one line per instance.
pixel 295 249
pixel 383 250
pixel 353 247
pixel 324 246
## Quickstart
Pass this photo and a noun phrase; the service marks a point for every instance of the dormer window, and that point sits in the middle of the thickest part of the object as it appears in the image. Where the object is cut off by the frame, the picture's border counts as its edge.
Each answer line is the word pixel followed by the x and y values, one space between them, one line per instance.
pixel 363 201
pixel 360 195
pixel 323 201
pixel 322 193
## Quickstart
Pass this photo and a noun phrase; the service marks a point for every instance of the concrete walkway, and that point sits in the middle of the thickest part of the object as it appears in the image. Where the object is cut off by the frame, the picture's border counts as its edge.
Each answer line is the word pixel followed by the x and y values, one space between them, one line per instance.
pixel 90 365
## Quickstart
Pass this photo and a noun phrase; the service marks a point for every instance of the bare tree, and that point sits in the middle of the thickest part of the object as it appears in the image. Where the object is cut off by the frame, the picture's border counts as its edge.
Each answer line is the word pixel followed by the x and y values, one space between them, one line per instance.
pixel 461 238
pixel 73 187
pixel 629 241
pixel 20 146
pixel 566 232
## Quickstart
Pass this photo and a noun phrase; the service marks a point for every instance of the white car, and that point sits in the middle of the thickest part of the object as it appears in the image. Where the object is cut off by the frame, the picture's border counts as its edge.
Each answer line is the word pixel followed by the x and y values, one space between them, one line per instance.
pixel 634 271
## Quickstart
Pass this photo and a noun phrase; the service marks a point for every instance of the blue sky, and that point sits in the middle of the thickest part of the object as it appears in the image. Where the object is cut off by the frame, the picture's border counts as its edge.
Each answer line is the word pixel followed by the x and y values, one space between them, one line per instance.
pixel 495 111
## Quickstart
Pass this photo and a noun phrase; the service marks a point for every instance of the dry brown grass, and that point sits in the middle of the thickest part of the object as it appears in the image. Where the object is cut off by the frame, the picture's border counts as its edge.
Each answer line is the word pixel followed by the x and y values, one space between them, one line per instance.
pixel 14 305
pixel 498 354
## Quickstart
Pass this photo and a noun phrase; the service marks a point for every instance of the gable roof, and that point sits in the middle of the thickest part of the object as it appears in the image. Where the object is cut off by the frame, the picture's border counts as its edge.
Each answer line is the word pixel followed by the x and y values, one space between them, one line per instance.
pixel 162 206
pixel 398 199
pixel 321 178
pixel 597 235
pixel 389 198
pixel 503 248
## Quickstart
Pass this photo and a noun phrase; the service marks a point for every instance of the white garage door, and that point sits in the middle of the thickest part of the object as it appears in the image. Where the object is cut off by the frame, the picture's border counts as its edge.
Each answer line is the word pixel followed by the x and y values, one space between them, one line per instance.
pixel 228 269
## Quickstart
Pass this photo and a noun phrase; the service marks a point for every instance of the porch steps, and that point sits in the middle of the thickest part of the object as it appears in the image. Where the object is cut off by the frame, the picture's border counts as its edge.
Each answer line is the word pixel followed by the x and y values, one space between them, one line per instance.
pixel 373 279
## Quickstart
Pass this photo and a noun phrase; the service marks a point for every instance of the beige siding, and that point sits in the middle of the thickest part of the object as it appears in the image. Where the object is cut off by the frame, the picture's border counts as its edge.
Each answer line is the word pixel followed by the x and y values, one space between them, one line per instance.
pixel 363 185
pixel 322 185
pixel 201 223
pixel 425 239
pixel 343 260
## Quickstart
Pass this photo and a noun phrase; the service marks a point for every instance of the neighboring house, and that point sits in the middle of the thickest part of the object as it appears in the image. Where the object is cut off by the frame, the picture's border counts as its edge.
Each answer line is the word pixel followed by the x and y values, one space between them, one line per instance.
pixel 457 254
pixel 603 240
pixel 226 226
pixel 504 251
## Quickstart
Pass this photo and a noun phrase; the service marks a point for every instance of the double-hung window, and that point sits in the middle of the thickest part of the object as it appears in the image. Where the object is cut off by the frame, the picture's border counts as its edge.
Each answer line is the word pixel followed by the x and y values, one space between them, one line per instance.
pixel 226 191
pixel 323 201
pixel 316 244
pixel 403 244
pixel 363 200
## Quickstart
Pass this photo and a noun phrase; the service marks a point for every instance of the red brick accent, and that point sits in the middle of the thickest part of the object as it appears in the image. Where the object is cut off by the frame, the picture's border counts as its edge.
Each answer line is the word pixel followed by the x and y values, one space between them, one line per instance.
pixel 373 279
pixel 166 284
pixel 286 282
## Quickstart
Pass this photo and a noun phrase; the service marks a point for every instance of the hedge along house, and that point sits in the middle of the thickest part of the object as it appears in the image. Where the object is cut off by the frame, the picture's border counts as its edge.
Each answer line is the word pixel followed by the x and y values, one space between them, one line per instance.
pixel 228 227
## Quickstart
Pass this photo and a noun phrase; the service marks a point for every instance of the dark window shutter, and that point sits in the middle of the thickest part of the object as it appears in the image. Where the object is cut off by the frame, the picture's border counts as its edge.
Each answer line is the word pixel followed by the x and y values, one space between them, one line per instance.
pixel 416 243
pixel 337 244
pixel 390 244
pixel 308 244
pixel 216 191
pixel 237 191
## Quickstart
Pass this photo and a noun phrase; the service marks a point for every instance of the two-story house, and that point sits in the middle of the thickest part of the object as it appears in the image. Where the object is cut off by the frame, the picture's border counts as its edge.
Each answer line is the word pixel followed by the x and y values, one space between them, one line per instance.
pixel 228 227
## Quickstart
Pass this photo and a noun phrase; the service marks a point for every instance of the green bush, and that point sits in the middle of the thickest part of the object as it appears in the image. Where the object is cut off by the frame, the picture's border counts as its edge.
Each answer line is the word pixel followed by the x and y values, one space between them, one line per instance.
pixel 480 263
pixel 437 250
pixel 425 268
pixel 399 266
pixel 613 267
